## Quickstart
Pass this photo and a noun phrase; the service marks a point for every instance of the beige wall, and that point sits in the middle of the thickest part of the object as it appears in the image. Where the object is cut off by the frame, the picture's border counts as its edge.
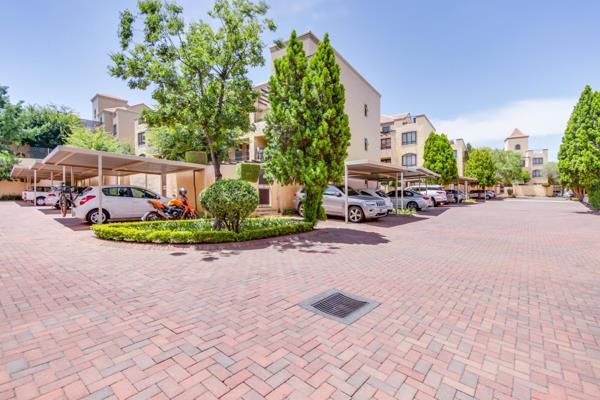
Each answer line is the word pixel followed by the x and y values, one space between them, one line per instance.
pixel 533 190
pixel 126 121
pixel 421 125
pixel 511 143
pixel 101 102
pixel 12 187
pixel 459 147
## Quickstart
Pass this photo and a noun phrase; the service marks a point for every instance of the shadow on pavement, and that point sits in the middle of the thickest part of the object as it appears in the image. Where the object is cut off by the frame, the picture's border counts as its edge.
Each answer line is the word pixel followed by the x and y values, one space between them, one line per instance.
pixel 392 221
pixel 434 212
pixel 23 203
pixel 74 224
pixel 49 211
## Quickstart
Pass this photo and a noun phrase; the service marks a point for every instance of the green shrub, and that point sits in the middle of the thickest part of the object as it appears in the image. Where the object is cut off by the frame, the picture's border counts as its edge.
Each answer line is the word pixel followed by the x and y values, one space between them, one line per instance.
pixel 247 172
pixel 196 157
pixel 198 231
pixel 406 211
pixel 509 191
pixel 594 196
pixel 230 201
pixel 290 211
pixel 470 201
pixel 10 197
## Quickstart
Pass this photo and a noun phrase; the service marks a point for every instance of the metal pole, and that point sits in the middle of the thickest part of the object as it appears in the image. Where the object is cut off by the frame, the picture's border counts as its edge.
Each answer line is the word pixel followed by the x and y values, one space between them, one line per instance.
pixel 72 178
pixel 402 187
pixel 163 184
pixel 396 192
pixel 64 177
pixel 346 192
pixel 146 181
pixel 51 179
pixel 35 187
pixel 100 194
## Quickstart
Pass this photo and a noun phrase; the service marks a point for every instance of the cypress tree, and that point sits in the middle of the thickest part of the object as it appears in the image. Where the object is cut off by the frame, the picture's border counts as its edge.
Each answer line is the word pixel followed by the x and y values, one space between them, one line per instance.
pixel 438 156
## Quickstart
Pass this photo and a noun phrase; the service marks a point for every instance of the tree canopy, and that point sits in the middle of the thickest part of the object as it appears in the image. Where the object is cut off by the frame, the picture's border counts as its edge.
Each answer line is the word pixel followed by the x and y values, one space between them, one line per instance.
pixel 96 139
pixel 438 156
pixel 197 71
pixel 307 130
pixel 482 167
pixel 579 153
pixel 508 166
pixel 50 125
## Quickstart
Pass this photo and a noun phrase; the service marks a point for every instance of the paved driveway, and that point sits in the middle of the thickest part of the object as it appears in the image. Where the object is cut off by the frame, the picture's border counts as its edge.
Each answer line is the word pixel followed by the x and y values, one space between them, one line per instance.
pixel 489 301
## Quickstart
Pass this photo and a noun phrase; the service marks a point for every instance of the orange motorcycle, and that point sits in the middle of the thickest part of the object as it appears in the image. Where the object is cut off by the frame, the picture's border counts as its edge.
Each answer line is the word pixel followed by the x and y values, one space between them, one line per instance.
pixel 178 208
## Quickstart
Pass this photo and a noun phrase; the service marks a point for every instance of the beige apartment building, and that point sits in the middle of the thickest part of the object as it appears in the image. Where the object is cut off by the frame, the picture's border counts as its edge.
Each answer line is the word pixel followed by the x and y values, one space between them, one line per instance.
pixel 362 106
pixel 402 140
pixel 532 161
pixel 115 115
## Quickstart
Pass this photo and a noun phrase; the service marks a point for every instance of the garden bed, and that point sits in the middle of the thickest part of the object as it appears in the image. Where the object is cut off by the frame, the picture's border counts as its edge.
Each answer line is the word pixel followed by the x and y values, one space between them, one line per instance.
pixel 198 231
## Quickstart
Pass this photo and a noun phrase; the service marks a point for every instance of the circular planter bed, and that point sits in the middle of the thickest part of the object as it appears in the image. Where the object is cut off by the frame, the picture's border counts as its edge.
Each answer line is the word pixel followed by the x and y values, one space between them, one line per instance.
pixel 198 231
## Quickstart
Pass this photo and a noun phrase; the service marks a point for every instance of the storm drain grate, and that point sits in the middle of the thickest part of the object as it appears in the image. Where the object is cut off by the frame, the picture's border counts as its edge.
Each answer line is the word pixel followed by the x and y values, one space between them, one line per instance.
pixel 339 306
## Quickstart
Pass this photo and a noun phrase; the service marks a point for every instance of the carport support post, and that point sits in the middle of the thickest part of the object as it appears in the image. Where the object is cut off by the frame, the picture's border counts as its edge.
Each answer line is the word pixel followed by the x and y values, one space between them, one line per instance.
pixel 345 192
pixel 396 193
pixel 145 181
pixel 51 178
pixel 35 187
pixel 402 189
pixel 100 182
pixel 72 178
pixel 163 184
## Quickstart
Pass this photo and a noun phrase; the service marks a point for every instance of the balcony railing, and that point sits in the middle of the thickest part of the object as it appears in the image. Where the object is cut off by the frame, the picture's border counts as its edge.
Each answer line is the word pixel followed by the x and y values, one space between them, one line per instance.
pixel 241 155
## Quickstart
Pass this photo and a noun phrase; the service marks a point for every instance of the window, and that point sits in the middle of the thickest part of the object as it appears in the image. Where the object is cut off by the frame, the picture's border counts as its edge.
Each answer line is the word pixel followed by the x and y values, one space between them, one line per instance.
pixel 331 191
pixel 536 173
pixel 386 160
pixel 409 160
pixel 141 138
pixel 386 143
pixel 517 147
pixel 366 110
pixel 385 129
pixel 538 160
pixel 115 129
pixel 522 162
pixel 366 144
pixel 409 137
pixel 143 194
pixel 117 191
pixel 455 153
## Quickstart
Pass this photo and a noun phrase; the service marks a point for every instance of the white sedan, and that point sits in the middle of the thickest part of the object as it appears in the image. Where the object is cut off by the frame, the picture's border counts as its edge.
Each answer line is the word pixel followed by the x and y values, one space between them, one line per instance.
pixel 118 202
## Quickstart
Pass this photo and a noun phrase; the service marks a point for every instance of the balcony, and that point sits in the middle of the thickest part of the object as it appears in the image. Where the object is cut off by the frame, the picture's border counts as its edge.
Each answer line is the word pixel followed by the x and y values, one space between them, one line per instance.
pixel 241 155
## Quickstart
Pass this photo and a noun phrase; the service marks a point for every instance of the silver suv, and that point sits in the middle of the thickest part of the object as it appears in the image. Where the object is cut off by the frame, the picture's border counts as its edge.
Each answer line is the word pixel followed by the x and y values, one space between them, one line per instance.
pixel 359 207
pixel 437 193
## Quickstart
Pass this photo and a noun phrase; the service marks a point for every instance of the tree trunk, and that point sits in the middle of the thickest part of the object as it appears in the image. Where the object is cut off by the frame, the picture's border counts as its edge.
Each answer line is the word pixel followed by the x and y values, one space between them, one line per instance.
pixel 579 192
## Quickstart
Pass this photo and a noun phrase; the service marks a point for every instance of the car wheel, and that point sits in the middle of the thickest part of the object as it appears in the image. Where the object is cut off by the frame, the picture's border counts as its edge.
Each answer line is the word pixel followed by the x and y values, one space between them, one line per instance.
pixel 412 205
pixel 301 209
pixel 93 216
pixel 435 203
pixel 40 201
pixel 355 214
pixel 151 216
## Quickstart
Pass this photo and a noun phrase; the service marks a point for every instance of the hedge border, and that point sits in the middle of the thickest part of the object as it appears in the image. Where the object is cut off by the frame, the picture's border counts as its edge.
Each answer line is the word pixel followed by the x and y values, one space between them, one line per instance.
pixel 134 232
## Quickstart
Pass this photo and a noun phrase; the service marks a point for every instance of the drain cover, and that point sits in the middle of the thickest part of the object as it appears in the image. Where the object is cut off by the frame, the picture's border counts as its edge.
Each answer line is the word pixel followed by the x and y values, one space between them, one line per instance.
pixel 339 306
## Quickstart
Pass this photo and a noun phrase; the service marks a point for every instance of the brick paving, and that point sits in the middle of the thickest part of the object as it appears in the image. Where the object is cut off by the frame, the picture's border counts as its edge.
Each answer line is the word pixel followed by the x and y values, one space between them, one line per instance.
pixel 488 301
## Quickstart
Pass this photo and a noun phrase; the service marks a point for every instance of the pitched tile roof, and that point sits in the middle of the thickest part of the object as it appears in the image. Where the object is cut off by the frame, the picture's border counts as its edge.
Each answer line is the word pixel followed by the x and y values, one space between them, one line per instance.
pixel 517 134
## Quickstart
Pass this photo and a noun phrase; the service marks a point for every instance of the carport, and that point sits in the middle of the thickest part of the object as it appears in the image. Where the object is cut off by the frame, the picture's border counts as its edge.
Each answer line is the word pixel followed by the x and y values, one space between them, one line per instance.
pixel 465 181
pixel 375 171
pixel 87 163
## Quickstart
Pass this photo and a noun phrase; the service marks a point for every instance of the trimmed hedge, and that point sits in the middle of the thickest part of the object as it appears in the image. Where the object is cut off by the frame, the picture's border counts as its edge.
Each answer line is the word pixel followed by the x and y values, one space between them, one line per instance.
pixel 247 172
pixel 198 231
pixel 594 196
pixel 10 197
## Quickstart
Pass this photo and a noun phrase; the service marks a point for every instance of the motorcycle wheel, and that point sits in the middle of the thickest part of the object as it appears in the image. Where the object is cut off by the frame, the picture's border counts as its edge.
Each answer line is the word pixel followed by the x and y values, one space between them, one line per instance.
pixel 152 216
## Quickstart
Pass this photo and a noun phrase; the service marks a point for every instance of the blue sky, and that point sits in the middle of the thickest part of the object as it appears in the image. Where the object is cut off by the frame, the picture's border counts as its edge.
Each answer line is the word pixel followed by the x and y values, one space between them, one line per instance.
pixel 478 69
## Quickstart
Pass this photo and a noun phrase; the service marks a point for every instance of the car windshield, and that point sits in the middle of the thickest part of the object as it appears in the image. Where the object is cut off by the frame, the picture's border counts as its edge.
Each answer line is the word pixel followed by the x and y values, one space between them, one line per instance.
pixel 351 192
pixel 381 193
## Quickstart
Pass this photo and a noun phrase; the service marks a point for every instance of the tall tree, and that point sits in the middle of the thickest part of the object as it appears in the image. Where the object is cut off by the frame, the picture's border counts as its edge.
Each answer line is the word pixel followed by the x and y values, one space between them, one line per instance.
pixel 579 153
pixel 96 139
pixel 12 131
pixel 482 167
pixel 438 156
pixel 508 166
pixel 550 171
pixel 307 129
pixel 198 71
pixel 50 125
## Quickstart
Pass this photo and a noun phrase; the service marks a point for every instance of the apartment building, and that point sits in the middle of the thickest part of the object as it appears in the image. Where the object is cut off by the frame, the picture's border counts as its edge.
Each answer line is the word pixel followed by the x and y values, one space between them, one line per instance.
pixel 115 115
pixel 362 106
pixel 402 140
pixel 532 161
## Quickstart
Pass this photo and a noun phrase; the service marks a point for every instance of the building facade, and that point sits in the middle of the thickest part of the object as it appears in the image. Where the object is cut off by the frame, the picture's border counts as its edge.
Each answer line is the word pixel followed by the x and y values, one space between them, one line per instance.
pixel 402 140
pixel 115 115
pixel 363 104
pixel 532 161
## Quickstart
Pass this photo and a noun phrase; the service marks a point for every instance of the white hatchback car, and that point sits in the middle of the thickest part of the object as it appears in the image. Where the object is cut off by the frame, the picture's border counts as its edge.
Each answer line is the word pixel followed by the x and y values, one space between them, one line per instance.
pixel 118 202
pixel 436 192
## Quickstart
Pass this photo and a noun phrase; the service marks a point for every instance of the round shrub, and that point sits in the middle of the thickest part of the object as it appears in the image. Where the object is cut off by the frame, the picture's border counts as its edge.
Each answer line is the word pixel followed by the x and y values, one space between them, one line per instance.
pixel 230 201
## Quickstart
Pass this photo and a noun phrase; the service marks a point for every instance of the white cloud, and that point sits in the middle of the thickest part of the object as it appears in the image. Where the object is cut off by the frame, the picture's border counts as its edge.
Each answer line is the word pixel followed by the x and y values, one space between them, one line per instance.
pixel 535 117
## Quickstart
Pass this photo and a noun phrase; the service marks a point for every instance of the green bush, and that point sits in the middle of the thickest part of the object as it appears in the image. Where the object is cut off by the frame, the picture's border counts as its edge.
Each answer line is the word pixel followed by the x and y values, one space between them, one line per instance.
pixel 406 211
pixel 230 201
pixel 290 211
pixel 247 172
pixel 198 231
pixel 594 196
pixel 10 197
pixel 509 191
pixel 196 157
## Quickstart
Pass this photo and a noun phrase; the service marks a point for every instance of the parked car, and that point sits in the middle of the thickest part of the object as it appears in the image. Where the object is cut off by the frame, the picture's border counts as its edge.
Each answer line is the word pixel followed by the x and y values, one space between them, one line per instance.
pixel 568 195
pixel 41 193
pixel 455 196
pixel 378 193
pixel 491 193
pixel 411 199
pixel 54 195
pixel 436 192
pixel 118 202
pixel 479 194
pixel 360 207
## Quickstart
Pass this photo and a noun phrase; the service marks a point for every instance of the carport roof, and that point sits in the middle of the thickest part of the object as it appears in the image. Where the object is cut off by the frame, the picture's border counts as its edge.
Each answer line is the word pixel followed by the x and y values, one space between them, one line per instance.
pixel 374 170
pixel 466 179
pixel 114 164
pixel 45 171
